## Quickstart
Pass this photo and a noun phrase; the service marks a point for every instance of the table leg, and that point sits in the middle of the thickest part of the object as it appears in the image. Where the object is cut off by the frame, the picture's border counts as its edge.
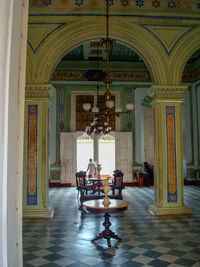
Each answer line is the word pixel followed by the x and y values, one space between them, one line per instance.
pixel 107 233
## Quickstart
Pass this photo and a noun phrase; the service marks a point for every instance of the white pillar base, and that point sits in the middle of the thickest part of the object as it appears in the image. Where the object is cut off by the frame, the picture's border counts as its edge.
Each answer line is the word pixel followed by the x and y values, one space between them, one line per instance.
pixel 165 211
pixel 38 213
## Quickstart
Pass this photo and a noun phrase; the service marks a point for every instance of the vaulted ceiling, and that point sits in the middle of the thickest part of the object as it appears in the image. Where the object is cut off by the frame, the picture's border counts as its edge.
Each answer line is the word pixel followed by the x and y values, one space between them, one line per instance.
pixel 92 54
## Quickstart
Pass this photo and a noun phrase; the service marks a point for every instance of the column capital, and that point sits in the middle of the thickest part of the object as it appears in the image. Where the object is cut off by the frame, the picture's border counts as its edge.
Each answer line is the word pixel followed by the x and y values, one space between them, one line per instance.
pixel 164 93
pixel 39 91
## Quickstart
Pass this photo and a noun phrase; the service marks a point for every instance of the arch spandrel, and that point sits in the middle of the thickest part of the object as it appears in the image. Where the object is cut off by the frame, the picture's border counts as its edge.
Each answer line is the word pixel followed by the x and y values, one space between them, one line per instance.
pixel 181 54
pixel 70 35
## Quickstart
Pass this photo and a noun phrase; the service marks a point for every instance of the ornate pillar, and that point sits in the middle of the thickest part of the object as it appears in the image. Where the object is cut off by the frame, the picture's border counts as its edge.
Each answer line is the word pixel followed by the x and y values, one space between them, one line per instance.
pixel 168 177
pixel 36 152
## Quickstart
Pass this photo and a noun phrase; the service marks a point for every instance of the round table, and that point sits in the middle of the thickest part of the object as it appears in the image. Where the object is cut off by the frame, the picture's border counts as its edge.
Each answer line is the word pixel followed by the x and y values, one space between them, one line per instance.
pixel 96 206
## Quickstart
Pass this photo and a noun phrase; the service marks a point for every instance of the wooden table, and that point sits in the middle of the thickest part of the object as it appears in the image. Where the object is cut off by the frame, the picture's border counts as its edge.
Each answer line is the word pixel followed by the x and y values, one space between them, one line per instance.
pixel 96 206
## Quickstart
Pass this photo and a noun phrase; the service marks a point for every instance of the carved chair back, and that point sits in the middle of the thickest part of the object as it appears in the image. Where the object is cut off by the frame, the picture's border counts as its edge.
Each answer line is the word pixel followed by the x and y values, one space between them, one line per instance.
pixel 118 178
pixel 80 179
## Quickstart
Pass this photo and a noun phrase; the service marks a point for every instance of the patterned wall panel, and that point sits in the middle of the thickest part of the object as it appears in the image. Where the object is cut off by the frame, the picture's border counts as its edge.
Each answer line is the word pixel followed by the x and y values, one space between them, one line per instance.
pixel 32 154
pixel 171 154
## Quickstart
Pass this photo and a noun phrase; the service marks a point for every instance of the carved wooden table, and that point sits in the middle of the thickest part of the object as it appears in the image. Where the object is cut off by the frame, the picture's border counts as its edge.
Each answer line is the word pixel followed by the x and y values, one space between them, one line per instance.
pixel 96 206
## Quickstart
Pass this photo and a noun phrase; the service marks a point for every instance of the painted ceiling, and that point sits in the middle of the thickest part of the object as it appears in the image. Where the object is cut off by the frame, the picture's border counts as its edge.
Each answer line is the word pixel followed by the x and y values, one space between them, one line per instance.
pixel 94 54
pixel 95 50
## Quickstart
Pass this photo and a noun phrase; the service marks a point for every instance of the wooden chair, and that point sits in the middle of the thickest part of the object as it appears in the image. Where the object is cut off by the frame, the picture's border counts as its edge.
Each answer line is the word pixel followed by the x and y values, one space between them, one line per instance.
pixel 81 185
pixel 117 183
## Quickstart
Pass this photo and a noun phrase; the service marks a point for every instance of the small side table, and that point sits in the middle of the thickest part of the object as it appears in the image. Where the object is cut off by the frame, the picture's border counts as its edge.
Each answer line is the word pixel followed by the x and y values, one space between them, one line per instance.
pixel 96 206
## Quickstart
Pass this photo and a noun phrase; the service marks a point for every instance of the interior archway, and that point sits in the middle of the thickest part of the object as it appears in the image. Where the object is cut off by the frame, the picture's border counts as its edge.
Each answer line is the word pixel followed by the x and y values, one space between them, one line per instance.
pixel 134 36
pixel 126 67
pixel 182 53
pixel 165 68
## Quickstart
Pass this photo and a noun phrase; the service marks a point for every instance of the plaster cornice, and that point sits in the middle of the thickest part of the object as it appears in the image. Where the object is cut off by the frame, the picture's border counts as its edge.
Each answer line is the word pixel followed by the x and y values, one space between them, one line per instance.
pixel 167 93
pixel 42 91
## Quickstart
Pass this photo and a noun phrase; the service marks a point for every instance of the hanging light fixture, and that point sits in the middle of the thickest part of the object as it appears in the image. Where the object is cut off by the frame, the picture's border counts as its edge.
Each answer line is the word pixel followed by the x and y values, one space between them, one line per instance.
pixel 101 122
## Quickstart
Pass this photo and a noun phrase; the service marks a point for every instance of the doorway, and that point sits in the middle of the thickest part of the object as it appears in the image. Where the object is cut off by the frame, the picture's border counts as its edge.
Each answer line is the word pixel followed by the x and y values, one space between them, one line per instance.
pixel 85 151
pixel 104 152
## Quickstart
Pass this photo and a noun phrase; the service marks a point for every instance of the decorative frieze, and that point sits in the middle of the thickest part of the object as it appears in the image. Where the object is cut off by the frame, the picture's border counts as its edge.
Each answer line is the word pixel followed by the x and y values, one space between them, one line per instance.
pixel 64 75
pixel 137 76
pixel 68 75
pixel 88 6
pixel 130 76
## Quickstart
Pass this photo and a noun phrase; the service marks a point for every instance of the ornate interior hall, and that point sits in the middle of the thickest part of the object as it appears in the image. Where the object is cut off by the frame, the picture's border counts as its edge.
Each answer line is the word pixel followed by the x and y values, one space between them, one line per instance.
pixel 146 240
pixel 52 62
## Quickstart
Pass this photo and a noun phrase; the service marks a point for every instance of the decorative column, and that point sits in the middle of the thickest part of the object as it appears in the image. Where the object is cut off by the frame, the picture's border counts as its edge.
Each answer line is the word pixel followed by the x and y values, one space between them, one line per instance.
pixel 36 152
pixel 168 176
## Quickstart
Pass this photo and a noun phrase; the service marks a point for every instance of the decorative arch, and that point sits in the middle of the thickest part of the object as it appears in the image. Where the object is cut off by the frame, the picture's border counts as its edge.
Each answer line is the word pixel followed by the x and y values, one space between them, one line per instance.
pixel 181 54
pixel 75 33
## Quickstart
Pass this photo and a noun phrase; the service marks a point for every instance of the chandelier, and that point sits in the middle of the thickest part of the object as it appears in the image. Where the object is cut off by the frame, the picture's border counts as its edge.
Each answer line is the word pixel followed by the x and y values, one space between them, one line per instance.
pixel 101 121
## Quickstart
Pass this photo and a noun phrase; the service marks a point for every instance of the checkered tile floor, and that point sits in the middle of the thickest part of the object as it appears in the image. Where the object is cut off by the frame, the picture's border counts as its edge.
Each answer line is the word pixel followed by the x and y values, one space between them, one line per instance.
pixel 147 240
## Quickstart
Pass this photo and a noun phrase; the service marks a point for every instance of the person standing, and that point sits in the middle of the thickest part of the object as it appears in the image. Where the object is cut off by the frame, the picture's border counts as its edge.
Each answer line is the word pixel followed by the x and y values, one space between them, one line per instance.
pixel 91 169
pixel 149 169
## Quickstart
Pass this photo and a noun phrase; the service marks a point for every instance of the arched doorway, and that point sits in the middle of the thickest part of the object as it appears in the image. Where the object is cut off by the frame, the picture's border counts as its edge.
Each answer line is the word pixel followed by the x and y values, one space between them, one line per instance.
pixel 75 84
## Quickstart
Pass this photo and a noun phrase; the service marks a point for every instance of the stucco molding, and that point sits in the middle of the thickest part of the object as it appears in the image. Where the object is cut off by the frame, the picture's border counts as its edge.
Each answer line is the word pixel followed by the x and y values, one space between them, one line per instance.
pixel 39 91
pixel 38 86
pixel 165 93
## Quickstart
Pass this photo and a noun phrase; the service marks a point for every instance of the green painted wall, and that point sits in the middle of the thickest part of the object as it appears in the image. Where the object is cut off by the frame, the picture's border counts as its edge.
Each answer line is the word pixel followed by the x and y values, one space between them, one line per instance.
pixel 63 108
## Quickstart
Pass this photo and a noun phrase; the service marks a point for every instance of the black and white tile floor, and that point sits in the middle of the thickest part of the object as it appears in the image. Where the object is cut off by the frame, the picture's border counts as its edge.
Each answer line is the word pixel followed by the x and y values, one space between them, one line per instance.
pixel 147 240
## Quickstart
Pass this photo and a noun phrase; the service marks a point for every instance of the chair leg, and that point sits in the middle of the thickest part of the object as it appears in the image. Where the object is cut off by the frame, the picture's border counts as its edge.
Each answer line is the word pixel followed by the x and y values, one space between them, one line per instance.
pixel 120 194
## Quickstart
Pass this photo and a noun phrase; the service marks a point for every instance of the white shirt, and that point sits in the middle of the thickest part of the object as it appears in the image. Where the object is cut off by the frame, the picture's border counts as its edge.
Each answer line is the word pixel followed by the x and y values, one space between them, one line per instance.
pixel 91 168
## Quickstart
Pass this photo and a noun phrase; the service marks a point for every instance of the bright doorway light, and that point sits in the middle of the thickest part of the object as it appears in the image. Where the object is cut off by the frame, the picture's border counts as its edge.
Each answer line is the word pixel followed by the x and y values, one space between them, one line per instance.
pixel 84 151
pixel 107 154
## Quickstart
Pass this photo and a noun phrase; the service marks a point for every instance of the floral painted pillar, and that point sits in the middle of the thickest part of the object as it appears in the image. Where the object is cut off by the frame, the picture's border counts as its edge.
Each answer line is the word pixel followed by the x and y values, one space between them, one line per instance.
pixel 168 178
pixel 36 152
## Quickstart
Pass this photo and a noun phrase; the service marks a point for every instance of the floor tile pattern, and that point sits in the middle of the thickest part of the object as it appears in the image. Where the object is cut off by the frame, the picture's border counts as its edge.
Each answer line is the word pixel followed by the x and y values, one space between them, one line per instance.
pixel 147 240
